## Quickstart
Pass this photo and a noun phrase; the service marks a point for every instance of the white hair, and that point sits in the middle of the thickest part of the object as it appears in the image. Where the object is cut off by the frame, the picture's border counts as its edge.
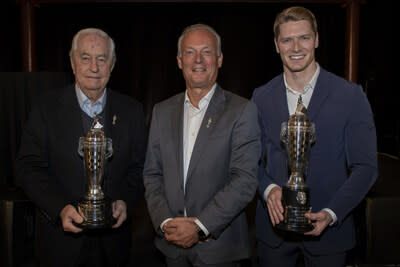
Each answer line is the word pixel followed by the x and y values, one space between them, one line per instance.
pixel 199 27
pixel 93 31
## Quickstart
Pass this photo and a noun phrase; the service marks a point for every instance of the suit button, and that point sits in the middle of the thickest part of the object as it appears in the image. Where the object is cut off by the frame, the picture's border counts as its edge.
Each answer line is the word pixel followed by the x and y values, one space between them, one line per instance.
pixel 180 212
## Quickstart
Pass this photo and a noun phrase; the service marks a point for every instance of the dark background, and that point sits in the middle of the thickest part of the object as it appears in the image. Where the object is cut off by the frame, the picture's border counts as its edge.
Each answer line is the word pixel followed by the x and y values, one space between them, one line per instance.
pixel 146 37
pixel 146 34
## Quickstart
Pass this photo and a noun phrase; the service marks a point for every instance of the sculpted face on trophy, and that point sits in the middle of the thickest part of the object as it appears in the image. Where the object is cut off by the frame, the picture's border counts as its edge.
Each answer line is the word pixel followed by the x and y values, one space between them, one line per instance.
pixel 297 135
pixel 94 206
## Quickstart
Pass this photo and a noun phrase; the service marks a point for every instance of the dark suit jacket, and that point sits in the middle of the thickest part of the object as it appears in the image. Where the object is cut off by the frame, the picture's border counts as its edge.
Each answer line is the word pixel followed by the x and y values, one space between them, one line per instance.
pixel 342 164
pixel 52 174
pixel 221 178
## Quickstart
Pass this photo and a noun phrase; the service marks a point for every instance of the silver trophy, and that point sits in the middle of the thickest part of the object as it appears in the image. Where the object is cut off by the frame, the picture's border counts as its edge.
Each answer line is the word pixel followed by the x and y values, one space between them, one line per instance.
pixel 297 134
pixel 95 207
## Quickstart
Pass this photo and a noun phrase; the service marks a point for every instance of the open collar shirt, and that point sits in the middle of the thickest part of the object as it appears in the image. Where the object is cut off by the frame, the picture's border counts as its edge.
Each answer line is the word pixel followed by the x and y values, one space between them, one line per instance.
pixel 87 106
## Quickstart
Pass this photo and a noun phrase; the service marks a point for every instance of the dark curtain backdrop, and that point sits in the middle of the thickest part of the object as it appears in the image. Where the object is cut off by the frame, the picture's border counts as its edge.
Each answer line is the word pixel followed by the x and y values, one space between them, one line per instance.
pixel 146 35
pixel 10 44
pixel 377 71
pixel 146 42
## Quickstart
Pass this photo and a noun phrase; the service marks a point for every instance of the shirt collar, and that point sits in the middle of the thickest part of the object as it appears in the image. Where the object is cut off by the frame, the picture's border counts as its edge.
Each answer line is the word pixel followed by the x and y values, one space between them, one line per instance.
pixel 309 86
pixel 82 98
pixel 205 100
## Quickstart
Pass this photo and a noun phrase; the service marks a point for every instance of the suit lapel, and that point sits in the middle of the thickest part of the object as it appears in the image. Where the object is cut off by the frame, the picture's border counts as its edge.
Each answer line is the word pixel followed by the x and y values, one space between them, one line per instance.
pixel 112 129
pixel 320 94
pixel 277 111
pixel 177 132
pixel 69 115
pixel 214 111
pixel 112 120
pixel 70 129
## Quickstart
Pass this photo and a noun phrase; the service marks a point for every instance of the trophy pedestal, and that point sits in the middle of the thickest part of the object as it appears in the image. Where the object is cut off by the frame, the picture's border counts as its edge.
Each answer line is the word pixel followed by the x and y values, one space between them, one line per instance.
pixel 97 213
pixel 296 204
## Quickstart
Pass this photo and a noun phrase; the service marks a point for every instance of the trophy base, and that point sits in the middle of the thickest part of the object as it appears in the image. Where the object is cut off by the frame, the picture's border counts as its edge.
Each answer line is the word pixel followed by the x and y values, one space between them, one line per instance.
pixel 295 228
pixel 296 203
pixel 96 225
pixel 97 214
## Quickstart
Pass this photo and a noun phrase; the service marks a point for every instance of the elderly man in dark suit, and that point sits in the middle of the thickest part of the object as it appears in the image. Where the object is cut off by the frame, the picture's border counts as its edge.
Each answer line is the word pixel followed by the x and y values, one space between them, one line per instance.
pixel 51 171
pixel 342 163
pixel 201 164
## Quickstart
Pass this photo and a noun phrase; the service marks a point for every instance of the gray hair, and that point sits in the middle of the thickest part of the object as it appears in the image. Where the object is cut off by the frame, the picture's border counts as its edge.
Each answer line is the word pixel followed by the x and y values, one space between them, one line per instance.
pixel 199 27
pixel 93 31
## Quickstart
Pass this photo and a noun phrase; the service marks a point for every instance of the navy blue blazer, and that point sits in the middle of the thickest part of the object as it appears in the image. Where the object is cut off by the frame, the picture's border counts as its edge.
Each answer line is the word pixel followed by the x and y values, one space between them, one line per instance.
pixel 342 164
pixel 52 174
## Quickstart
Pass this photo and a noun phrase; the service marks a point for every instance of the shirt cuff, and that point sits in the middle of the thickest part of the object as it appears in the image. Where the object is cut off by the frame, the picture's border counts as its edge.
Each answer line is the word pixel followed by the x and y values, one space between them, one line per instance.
pixel 164 222
pixel 267 190
pixel 333 215
pixel 202 227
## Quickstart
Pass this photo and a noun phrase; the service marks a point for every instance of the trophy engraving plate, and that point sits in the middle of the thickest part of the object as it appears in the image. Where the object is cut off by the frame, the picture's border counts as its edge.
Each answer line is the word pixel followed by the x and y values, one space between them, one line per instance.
pixel 301 197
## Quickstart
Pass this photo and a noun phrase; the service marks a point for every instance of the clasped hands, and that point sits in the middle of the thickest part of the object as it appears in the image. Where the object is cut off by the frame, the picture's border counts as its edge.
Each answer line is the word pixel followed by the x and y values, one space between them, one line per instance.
pixel 320 220
pixel 181 231
pixel 69 214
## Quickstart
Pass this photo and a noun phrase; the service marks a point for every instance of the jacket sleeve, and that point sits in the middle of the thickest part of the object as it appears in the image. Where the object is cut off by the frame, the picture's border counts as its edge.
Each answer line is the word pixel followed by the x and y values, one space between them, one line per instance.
pixel 33 174
pixel 239 191
pixel 153 176
pixel 361 155
pixel 264 180
pixel 132 189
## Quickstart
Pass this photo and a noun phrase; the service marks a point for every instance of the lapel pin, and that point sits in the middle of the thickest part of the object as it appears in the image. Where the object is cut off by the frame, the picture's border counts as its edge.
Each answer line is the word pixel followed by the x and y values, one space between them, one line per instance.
pixel 114 120
pixel 209 122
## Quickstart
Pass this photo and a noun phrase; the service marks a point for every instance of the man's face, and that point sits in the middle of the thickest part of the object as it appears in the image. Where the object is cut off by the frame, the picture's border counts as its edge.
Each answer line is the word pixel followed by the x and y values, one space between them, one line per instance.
pixel 92 63
pixel 199 59
pixel 296 45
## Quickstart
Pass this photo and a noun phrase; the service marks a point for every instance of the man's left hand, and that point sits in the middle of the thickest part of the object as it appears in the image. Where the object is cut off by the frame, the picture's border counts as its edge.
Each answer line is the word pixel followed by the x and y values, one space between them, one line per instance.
pixel 119 212
pixel 320 221
pixel 185 234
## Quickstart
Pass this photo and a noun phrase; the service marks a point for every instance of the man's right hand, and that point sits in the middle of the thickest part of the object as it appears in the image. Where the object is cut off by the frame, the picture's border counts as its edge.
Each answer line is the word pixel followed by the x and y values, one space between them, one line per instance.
pixel 274 204
pixel 68 215
pixel 181 231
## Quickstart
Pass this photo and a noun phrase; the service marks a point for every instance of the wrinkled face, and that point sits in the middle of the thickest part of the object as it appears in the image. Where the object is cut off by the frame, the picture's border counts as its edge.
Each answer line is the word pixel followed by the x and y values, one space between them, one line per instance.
pixel 296 45
pixel 199 59
pixel 92 63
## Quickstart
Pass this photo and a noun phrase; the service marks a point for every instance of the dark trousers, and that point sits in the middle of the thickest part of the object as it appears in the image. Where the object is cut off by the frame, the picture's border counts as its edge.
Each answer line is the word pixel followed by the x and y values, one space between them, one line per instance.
pixel 92 254
pixel 96 251
pixel 293 253
pixel 189 259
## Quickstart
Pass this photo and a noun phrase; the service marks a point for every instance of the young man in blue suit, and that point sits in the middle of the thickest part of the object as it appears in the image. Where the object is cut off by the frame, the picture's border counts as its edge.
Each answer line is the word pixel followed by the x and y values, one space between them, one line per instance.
pixel 342 162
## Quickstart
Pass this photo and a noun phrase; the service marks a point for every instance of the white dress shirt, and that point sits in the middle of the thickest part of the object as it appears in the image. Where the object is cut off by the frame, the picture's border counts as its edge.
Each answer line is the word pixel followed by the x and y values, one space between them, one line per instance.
pixel 192 119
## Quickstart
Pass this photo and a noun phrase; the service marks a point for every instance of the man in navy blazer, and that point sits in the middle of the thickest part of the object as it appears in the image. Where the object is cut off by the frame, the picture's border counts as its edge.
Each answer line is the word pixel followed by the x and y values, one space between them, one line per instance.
pixel 52 173
pixel 342 162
